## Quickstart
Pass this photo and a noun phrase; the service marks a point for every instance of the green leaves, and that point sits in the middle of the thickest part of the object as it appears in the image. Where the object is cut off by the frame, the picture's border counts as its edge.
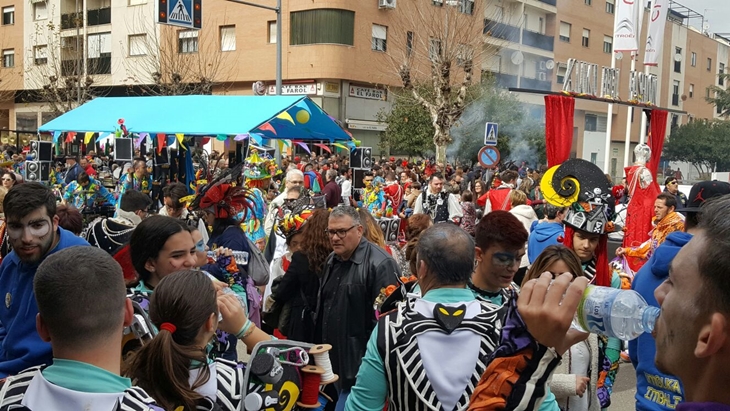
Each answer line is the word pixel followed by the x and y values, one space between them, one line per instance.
pixel 702 143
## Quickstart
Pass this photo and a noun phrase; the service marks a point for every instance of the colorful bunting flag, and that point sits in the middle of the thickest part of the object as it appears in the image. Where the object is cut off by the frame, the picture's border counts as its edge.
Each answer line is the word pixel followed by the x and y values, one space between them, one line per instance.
pixel 103 136
pixel 338 145
pixel 324 147
pixel 221 137
pixel 161 141
pixel 241 137
pixel 56 135
pixel 304 146
pixel 180 137
pixel 286 116
pixel 70 136
pixel 87 137
pixel 267 127
pixel 257 138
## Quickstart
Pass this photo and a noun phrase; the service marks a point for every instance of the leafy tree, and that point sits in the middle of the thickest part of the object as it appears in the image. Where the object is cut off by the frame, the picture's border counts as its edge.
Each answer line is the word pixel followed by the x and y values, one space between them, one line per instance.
pixel 702 143
pixel 720 97
pixel 410 130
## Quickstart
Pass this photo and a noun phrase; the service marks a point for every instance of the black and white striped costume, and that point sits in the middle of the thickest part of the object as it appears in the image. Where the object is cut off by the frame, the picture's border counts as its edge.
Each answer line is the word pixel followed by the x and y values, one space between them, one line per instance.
pixel 14 389
pixel 409 387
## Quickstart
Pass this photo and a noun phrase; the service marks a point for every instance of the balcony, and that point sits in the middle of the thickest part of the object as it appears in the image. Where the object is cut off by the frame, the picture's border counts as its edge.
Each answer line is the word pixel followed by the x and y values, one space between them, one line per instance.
pixel 71 67
pixel 100 65
pixel 505 80
pixel 537 40
pixel 550 2
pixel 536 84
pixel 69 20
pixel 99 16
pixel 512 34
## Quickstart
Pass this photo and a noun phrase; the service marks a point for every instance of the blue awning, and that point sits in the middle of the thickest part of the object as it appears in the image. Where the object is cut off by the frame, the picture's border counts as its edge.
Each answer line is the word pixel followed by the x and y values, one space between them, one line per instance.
pixel 271 117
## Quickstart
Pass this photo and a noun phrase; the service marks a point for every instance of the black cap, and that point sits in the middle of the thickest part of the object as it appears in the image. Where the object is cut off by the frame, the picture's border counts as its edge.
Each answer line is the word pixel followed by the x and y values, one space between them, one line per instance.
pixel 704 191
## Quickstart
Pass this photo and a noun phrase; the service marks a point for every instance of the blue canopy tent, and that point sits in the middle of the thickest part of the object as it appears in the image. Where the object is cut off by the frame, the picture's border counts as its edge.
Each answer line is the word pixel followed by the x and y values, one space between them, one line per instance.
pixel 270 117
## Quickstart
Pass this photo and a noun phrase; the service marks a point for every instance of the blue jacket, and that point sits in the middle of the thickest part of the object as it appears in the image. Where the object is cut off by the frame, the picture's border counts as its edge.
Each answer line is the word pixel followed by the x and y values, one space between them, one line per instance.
pixel 20 345
pixel 541 236
pixel 655 391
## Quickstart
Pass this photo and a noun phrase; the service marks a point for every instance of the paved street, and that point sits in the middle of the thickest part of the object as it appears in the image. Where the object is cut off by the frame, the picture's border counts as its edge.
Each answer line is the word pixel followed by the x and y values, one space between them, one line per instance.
pixel 625 389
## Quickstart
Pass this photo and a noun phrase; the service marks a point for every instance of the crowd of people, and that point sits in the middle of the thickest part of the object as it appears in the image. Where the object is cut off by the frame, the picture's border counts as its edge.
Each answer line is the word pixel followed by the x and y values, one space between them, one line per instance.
pixel 465 304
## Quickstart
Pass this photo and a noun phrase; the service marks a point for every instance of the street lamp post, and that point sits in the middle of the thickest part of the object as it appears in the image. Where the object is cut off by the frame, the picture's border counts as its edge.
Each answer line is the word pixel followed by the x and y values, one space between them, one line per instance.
pixel 276 9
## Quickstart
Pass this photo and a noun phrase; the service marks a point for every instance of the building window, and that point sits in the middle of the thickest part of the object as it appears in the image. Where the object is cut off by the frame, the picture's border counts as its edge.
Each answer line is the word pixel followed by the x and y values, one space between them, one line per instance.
pixel 187 41
pixel 9 58
pixel 610 6
pixel 466 6
pixel 40 11
pixel 228 38
pixel 707 92
pixel 607 44
pixel 434 49
pixel 26 121
pixel 675 93
pixel 562 69
pixel 100 53
pixel 272 32
pixel 586 37
pixel 588 2
pixel 379 38
pixel 693 59
pixel 8 15
pixel 463 54
pixel 594 156
pixel 541 25
pixel 137 44
pixel 677 59
pixel 709 64
pixel 691 90
pixel 40 55
pixel 322 26
pixel 675 121
pixel 720 75
pixel 409 43
pixel 565 31
pixel 591 122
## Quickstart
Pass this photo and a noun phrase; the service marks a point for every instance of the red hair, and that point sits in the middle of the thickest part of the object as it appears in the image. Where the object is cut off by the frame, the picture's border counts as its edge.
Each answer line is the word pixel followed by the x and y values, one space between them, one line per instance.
pixel 603 276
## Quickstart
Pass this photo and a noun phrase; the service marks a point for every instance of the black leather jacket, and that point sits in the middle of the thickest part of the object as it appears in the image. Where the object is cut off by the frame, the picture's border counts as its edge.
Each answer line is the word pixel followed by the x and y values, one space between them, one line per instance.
pixel 348 316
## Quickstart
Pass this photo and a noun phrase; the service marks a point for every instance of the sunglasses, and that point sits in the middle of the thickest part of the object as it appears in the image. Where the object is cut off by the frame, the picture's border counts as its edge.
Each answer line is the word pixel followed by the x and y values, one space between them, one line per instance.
pixel 672 183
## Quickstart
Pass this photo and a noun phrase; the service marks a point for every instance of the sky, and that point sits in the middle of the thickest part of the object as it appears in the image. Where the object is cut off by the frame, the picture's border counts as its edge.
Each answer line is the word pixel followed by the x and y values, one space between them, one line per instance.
pixel 715 11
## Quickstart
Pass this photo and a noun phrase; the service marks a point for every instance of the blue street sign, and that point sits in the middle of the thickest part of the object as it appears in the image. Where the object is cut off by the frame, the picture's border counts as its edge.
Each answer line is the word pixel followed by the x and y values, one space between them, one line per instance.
pixel 489 157
pixel 181 13
pixel 491 131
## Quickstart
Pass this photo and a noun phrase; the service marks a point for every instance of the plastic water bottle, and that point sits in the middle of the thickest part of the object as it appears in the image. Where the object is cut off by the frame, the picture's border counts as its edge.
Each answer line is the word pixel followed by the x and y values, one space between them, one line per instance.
pixel 623 314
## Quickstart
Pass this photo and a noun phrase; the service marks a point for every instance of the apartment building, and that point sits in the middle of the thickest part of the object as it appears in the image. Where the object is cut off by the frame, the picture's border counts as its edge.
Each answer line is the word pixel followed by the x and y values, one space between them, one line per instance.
pixel 691 60
pixel 337 53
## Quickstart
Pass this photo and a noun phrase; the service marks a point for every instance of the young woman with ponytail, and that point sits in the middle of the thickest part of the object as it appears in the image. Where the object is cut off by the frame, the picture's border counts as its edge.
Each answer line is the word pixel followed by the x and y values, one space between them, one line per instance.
pixel 174 367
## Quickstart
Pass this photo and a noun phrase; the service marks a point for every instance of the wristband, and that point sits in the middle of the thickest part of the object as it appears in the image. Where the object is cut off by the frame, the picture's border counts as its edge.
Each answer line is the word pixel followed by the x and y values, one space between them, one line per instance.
pixel 246 330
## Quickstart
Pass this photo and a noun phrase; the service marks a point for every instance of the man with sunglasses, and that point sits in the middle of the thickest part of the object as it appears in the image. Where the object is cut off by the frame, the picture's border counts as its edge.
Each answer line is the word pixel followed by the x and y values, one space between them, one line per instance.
pixel 33 233
pixel 354 275
pixel 671 186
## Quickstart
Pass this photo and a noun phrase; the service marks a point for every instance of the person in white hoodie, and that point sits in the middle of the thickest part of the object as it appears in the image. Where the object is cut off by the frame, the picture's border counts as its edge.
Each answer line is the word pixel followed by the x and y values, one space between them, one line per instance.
pixel 526 215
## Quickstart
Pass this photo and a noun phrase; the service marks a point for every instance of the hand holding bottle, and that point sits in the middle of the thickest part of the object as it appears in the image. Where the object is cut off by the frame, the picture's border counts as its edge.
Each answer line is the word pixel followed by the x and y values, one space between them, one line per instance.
pixel 547 307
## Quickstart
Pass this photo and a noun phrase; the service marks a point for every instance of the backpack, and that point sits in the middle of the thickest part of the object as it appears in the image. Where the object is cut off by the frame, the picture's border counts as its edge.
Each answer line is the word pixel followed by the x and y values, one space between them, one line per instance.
pixel 258 268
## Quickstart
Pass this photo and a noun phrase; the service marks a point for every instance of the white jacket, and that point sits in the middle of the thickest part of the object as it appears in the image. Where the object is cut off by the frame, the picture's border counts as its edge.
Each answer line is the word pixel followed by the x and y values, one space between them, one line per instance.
pixel 563 383
pixel 526 215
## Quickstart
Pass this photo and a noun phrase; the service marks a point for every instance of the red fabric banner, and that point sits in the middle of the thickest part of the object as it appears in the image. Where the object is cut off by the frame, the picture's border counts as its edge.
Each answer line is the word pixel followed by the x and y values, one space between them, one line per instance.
pixel 658 133
pixel 559 112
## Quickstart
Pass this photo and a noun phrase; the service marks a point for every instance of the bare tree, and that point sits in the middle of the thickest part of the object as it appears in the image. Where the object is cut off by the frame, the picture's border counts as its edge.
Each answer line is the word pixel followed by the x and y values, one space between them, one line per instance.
pixel 169 61
pixel 437 50
pixel 57 68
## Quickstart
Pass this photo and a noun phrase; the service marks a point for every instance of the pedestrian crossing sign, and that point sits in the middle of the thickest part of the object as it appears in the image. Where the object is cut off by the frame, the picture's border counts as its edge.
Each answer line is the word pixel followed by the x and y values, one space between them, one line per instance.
pixel 181 13
pixel 491 132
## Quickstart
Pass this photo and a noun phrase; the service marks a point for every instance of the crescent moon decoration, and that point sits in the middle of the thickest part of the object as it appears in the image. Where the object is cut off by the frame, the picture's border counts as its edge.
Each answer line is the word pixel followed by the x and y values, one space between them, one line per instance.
pixel 551 194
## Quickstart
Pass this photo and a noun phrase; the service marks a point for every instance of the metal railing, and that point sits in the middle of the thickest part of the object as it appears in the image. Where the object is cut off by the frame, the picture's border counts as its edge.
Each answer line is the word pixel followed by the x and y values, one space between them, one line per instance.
pixel 512 34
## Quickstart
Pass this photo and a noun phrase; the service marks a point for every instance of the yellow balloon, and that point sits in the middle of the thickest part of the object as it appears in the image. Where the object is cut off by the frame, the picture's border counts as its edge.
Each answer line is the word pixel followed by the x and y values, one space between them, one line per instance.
pixel 302 116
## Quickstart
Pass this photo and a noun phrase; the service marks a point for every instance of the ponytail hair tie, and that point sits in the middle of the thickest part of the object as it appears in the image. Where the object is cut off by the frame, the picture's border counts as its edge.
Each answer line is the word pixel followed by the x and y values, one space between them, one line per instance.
pixel 169 327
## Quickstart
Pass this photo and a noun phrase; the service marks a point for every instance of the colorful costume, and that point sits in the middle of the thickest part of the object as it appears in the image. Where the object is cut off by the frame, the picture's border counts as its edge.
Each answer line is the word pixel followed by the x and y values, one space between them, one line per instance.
pixel 130 181
pixel 670 223
pixel 92 195
pixel 258 172
pixel 643 191
pixel 373 198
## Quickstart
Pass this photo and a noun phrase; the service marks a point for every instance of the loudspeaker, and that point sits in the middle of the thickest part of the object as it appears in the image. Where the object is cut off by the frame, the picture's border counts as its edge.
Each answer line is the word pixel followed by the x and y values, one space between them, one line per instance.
pixel 37 171
pixel 361 157
pixel 123 149
pixel 392 235
pixel 41 150
pixel 357 176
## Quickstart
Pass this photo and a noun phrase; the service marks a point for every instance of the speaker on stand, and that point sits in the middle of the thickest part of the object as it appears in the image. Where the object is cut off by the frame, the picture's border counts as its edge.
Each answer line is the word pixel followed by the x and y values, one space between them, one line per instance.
pixel 361 157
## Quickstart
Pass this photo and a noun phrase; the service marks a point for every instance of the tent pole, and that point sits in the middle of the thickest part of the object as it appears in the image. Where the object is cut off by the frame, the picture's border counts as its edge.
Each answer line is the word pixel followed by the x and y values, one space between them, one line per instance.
pixel 278 47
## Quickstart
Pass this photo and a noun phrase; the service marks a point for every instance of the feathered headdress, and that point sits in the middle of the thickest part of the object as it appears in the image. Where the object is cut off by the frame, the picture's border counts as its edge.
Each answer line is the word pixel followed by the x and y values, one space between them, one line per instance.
pixel 223 196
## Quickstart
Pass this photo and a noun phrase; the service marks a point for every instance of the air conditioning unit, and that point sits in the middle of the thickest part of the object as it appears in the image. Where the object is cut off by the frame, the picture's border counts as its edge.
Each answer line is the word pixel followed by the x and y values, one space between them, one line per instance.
pixel 542 76
pixel 386 4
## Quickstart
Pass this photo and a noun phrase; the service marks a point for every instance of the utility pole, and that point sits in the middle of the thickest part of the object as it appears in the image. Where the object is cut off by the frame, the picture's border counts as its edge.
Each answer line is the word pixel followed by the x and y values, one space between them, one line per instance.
pixel 277 10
